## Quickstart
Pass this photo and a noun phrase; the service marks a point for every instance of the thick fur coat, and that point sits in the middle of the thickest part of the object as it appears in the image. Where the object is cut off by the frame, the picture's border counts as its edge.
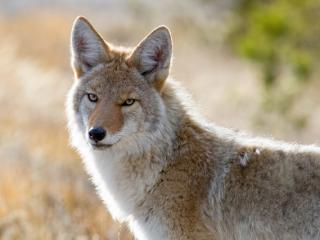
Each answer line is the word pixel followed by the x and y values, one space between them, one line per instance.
pixel 168 173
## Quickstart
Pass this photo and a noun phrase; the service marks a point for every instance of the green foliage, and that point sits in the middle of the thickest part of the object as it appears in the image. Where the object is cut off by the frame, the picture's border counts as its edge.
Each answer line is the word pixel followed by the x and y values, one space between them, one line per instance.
pixel 283 37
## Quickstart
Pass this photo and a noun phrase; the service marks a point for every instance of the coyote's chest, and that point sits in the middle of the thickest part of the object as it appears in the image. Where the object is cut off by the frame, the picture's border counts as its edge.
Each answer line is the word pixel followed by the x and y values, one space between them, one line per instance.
pixel 119 187
pixel 124 194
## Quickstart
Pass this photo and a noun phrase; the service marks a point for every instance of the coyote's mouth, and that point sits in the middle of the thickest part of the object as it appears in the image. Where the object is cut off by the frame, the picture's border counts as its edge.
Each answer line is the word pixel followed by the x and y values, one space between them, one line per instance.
pixel 100 146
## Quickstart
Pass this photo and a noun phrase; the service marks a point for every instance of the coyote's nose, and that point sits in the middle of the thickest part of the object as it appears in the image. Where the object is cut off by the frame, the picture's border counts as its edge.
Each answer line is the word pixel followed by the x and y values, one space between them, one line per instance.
pixel 97 134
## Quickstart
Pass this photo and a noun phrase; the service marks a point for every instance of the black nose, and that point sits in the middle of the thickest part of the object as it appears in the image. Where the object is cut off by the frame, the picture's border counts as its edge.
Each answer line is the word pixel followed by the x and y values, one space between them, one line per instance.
pixel 97 134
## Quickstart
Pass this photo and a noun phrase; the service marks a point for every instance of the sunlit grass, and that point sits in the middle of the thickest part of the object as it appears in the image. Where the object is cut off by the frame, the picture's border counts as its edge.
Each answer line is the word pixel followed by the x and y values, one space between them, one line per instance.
pixel 44 191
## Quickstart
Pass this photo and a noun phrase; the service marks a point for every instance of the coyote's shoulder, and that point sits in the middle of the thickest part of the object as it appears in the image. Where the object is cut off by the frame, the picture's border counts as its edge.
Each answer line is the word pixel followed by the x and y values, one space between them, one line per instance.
pixel 169 174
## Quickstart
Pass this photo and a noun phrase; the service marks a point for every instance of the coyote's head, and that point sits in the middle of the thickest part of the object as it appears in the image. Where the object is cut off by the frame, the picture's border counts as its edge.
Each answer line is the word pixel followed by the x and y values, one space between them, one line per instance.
pixel 117 92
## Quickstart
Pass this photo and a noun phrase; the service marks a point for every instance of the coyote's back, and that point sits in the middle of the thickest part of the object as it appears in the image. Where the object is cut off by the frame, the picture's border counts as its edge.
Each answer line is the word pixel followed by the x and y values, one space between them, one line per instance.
pixel 169 174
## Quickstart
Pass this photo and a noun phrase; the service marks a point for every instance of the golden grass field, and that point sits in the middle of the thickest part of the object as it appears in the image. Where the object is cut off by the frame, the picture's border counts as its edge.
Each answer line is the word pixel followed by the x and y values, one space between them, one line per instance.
pixel 44 190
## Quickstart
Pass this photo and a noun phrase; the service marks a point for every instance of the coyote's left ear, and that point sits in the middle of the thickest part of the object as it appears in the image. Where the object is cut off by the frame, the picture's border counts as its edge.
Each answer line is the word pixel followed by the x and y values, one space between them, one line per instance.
pixel 152 56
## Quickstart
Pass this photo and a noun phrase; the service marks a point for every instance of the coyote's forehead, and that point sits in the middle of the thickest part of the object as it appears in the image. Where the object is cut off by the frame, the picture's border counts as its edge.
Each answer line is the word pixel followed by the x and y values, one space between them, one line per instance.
pixel 114 79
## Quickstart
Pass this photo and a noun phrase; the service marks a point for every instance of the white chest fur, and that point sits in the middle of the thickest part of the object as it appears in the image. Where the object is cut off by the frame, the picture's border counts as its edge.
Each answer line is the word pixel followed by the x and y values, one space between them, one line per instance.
pixel 122 189
pixel 119 194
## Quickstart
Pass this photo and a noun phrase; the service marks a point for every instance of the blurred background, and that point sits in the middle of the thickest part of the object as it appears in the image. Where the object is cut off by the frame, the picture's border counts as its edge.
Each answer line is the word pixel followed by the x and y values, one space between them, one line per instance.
pixel 251 65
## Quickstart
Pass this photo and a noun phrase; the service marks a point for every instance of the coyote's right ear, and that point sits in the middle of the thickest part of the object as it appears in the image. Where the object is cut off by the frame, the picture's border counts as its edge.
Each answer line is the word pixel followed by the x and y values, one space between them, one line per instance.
pixel 88 49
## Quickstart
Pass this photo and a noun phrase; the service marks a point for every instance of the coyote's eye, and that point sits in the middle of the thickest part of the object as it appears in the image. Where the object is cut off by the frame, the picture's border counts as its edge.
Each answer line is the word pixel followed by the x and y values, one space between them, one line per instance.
pixel 128 102
pixel 92 97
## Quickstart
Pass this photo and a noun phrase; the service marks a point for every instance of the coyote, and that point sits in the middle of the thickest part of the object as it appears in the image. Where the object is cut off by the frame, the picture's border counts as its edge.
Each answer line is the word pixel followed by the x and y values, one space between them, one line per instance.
pixel 164 170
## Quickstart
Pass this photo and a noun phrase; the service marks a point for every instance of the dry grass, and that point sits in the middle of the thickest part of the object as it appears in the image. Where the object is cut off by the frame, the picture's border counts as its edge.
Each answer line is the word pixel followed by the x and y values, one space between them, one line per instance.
pixel 44 191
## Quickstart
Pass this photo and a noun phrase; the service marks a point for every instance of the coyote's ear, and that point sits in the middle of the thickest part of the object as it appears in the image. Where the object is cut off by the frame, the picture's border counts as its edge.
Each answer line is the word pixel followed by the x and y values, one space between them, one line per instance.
pixel 88 49
pixel 152 56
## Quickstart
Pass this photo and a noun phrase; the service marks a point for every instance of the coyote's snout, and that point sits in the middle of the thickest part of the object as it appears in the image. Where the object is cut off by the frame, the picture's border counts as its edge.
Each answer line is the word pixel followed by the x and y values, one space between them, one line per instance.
pixel 165 172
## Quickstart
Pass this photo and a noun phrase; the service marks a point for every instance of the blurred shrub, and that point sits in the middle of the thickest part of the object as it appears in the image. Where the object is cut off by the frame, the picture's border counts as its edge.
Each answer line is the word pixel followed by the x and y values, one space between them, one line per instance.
pixel 283 37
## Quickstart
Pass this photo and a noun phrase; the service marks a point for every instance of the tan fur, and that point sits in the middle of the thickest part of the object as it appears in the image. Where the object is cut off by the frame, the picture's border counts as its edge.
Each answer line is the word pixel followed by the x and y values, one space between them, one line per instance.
pixel 173 176
pixel 108 116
